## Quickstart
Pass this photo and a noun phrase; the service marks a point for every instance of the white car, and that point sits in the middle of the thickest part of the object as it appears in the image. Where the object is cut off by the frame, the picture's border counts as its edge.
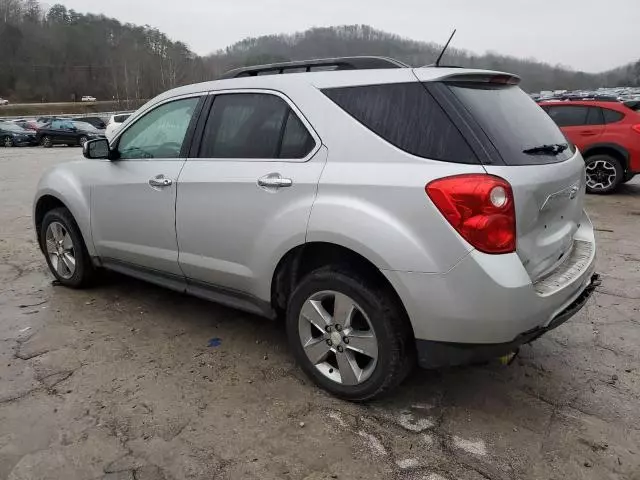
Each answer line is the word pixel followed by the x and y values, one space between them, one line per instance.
pixel 114 124
pixel 88 98
pixel 4 102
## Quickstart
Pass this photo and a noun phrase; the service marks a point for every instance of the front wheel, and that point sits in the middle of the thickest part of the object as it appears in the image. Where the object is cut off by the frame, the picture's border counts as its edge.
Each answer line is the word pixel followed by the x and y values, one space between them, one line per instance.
pixel 46 142
pixel 7 141
pixel 65 250
pixel 604 174
pixel 349 335
pixel 82 140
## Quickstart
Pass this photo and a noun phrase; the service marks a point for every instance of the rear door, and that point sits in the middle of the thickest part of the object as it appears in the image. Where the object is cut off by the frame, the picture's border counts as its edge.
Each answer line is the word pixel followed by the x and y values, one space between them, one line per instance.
pixel 548 184
pixel 245 199
pixel 582 124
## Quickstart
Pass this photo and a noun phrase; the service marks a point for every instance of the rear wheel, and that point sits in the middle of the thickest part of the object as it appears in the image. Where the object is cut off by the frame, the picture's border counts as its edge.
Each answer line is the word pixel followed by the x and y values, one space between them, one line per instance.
pixel 349 335
pixel 604 174
pixel 7 141
pixel 82 140
pixel 65 250
pixel 46 142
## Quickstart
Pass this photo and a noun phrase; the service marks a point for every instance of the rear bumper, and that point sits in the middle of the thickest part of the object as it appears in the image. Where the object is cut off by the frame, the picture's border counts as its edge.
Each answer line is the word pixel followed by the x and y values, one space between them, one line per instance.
pixel 442 354
pixel 490 299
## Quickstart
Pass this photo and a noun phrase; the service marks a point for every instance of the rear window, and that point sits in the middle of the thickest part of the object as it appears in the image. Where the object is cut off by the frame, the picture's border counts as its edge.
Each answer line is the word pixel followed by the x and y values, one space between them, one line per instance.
pixel 513 122
pixel 407 116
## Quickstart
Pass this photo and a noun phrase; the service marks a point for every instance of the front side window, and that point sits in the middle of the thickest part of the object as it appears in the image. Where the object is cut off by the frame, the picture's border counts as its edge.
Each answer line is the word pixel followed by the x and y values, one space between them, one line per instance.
pixel 160 133
pixel 254 125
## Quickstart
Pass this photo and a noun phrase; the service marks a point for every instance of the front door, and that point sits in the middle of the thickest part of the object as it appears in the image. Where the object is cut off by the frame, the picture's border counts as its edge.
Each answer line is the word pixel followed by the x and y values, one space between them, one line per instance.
pixel 246 199
pixel 133 198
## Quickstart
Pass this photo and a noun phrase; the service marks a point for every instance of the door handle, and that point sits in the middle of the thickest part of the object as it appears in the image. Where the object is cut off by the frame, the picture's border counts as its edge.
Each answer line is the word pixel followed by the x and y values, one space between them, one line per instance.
pixel 274 181
pixel 588 133
pixel 160 181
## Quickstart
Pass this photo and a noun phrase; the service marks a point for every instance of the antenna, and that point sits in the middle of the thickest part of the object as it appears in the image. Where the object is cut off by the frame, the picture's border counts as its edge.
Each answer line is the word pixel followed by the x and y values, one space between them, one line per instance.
pixel 437 64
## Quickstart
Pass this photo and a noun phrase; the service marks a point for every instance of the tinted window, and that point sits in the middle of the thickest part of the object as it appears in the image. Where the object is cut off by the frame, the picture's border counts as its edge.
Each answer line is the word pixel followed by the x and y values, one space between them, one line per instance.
pixel 120 118
pixel 254 125
pixel 296 142
pixel 594 116
pixel 611 116
pixel 569 115
pixel 407 116
pixel 160 133
pixel 513 122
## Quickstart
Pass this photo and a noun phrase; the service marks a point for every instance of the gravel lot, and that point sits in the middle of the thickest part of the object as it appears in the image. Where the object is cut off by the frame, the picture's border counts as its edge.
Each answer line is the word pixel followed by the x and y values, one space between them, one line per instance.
pixel 118 382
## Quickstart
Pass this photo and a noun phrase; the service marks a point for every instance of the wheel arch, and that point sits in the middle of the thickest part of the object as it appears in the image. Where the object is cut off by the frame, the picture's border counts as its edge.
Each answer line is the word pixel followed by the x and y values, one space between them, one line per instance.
pixel 613 149
pixel 302 259
pixel 48 199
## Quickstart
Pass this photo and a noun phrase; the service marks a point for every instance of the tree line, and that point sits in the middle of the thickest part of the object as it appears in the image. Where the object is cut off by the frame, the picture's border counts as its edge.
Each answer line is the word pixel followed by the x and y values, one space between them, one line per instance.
pixel 58 54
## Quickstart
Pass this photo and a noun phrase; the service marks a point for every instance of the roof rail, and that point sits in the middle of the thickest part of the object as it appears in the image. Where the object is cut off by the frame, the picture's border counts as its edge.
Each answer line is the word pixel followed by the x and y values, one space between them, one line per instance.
pixel 339 63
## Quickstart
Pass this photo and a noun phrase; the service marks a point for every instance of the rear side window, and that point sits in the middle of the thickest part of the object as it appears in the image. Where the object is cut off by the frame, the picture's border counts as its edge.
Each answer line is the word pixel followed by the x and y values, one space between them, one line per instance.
pixel 611 116
pixel 569 115
pixel 407 116
pixel 254 125
pixel 514 122
pixel 120 118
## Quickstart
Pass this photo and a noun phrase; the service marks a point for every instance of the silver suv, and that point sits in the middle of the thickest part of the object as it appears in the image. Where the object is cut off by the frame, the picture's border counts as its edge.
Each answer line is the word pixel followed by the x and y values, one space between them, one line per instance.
pixel 390 214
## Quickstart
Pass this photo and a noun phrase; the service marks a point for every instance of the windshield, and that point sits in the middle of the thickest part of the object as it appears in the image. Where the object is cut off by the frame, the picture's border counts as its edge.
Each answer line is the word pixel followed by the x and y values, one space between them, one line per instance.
pixel 521 131
pixel 12 127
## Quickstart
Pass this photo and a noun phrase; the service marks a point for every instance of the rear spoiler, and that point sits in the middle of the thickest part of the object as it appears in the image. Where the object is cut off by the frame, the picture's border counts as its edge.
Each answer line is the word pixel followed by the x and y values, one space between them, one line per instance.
pixel 490 77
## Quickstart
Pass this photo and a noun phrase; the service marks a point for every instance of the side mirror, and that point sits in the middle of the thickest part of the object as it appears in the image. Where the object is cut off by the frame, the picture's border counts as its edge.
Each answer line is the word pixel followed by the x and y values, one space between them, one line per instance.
pixel 97 149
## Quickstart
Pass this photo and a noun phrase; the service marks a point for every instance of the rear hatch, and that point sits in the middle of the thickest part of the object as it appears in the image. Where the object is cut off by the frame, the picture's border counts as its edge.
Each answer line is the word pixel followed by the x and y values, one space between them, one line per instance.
pixel 529 151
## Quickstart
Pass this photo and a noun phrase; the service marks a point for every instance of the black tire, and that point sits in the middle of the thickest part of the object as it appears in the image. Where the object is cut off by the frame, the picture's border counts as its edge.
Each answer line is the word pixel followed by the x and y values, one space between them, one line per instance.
pixel 396 350
pixel 628 177
pixel 84 270
pixel 46 142
pixel 609 163
pixel 7 141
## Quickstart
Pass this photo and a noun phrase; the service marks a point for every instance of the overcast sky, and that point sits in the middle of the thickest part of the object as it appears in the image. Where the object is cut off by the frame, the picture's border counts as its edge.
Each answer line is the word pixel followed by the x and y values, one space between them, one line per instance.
pixel 589 35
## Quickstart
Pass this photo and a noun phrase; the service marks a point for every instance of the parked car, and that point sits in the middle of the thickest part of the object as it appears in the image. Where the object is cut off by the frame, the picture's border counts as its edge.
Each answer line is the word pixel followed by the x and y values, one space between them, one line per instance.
pixel 88 98
pixel 67 132
pixel 97 122
pixel 387 214
pixel 13 135
pixel 27 124
pixel 607 133
pixel 115 122
pixel 4 102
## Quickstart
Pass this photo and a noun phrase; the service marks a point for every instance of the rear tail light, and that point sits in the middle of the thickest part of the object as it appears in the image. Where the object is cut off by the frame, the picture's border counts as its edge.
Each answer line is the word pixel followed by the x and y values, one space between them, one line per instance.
pixel 481 209
pixel 636 128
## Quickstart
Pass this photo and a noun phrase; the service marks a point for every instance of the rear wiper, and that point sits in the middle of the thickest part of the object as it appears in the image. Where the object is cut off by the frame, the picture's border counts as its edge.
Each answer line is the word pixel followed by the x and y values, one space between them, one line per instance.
pixel 552 149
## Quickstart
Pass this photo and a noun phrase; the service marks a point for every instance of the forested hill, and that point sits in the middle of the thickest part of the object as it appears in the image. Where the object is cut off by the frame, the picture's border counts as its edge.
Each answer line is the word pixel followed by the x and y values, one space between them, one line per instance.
pixel 364 40
pixel 60 55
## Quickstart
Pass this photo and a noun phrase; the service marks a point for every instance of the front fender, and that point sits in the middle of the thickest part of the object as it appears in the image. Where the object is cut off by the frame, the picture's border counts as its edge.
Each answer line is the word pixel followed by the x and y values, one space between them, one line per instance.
pixel 64 183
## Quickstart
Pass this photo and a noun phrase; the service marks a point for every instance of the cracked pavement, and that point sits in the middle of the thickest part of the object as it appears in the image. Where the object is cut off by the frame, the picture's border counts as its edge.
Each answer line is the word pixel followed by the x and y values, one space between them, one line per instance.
pixel 118 382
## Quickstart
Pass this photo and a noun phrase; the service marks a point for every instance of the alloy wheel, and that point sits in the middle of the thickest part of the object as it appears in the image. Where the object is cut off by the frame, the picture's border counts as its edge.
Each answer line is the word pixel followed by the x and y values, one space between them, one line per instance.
pixel 8 142
pixel 60 250
pixel 46 141
pixel 338 337
pixel 601 174
pixel 83 140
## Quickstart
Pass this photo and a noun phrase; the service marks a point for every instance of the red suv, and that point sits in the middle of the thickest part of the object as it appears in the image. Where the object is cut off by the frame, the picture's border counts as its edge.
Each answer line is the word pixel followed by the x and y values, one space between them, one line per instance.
pixel 607 133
